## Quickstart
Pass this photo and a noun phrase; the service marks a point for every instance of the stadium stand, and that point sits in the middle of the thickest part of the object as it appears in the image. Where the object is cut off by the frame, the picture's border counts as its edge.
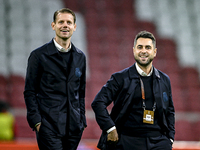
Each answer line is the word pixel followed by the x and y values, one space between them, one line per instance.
pixel 106 29
pixel 3 88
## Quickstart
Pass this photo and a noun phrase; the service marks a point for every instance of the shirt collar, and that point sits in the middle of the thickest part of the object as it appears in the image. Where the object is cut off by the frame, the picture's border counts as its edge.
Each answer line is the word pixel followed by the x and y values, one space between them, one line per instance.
pixel 60 48
pixel 141 72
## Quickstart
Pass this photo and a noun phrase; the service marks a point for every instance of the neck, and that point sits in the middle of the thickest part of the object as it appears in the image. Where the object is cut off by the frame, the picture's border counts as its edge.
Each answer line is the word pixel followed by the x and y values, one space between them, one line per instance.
pixel 64 43
pixel 146 69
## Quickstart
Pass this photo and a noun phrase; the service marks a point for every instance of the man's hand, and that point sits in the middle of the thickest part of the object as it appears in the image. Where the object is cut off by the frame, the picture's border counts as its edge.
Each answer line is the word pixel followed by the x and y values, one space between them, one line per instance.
pixel 112 137
pixel 38 127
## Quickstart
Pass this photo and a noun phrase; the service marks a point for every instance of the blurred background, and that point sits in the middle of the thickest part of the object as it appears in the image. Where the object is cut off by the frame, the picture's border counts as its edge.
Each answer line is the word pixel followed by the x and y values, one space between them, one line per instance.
pixel 105 32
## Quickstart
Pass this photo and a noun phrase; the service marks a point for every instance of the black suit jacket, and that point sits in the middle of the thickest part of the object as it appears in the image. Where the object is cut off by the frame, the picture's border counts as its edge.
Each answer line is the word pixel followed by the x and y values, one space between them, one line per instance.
pixel 54 92
pixel 120 90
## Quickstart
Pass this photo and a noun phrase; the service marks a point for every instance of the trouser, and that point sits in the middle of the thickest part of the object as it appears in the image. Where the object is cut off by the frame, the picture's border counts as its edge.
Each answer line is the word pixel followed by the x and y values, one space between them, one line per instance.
pixel 48 140
pixel 142 143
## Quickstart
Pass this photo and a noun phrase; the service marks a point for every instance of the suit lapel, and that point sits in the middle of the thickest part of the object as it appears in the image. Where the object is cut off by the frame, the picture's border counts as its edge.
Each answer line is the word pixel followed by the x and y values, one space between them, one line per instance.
pixel 55 56
pixel 130 93
pixel 73 65
pixel 157 92
pixel 127 100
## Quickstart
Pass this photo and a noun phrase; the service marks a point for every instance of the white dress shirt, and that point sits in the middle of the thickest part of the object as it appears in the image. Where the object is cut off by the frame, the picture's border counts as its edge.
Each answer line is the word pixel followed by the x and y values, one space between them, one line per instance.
pixel 60 48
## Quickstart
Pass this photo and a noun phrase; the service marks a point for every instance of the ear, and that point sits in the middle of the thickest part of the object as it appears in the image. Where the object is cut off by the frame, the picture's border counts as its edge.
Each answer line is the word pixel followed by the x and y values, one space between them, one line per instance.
pixel 133 50
pixel 53 25
pixel 155 52
pixel 75 27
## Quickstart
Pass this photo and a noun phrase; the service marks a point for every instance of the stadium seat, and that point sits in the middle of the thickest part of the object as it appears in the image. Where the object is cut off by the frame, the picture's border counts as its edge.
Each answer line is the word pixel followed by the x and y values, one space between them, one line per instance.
pixel 23 129
pixel 3 88
pixel 179 99
pixel 196 129
pixel 16 89
pixel 92 131
pixel 183 130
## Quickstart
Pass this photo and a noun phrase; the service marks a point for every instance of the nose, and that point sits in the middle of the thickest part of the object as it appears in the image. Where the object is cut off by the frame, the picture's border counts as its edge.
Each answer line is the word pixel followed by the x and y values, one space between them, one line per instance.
pixel 65 24
pixel 144 50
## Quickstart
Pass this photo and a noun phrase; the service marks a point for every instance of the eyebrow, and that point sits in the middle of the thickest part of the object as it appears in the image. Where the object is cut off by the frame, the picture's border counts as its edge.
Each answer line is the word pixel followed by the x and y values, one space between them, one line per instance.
pixel 144 45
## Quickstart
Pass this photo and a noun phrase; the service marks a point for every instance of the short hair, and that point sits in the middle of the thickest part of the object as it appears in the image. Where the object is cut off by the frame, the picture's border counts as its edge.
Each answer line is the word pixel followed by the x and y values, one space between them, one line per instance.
pixel 145 34
pixel 64 10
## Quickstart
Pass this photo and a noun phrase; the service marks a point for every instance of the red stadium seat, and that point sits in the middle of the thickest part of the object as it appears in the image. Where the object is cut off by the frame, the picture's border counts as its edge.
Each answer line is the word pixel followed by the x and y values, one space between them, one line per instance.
pixel 16 89
pixel 3 88
pixel 23 129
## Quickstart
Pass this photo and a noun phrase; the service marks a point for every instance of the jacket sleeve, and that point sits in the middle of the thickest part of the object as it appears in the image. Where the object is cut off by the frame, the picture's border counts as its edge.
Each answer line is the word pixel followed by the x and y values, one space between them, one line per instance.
pixel 103 99
pixel 82 94
pixel 171 115
pixel 31 87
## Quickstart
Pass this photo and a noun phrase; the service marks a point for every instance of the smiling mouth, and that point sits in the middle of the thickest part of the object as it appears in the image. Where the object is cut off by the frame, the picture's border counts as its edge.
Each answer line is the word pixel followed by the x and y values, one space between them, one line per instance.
pixel 143 57
pixel 64 31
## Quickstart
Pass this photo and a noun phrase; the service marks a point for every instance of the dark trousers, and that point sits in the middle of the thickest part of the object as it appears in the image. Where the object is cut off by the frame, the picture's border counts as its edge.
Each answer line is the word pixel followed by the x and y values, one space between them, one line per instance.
pixel 142 143
pixel 48 140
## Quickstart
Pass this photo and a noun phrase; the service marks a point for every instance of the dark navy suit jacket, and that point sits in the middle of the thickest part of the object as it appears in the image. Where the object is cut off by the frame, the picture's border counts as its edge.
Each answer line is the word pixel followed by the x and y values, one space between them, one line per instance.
pixel 120 90
pixel 54 92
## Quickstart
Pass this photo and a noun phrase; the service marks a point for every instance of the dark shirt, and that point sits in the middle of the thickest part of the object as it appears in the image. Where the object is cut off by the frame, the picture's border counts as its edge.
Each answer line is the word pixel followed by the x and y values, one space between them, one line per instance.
pixel 66 56
pixel 64 106
pixel 134 125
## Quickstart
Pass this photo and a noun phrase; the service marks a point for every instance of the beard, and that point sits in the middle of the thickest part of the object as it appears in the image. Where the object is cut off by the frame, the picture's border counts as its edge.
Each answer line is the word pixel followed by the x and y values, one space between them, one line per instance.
pixel 143 63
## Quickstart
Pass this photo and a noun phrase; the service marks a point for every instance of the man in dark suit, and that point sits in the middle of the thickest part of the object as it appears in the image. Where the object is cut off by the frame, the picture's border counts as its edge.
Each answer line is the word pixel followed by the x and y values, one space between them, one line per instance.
pixel 55 88
pixel 142 117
